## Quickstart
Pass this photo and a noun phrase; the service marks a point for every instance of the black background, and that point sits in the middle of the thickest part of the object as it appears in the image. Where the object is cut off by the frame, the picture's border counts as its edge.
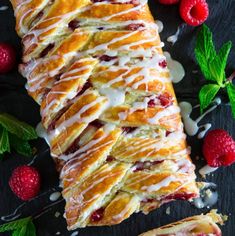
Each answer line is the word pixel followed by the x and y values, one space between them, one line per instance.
pixel 14 100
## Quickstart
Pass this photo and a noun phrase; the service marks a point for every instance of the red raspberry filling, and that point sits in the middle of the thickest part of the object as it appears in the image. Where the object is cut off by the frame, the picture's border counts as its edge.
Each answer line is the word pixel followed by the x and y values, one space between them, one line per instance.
pixel 97 215
pixel 134 27
pixel 163 64
pixel 146 165
pixel 165 101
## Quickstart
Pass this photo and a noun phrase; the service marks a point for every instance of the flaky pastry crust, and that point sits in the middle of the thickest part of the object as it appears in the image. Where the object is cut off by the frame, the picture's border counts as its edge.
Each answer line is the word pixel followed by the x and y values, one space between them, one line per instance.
pixel 97 70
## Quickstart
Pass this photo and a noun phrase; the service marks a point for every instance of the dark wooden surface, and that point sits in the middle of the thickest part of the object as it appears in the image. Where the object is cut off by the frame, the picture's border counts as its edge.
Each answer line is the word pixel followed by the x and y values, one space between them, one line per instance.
pixel 13 99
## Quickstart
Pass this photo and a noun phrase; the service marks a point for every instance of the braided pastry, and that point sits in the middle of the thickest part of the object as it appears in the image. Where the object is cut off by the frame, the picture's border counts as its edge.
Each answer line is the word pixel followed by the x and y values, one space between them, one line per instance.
pixel 201 225
pixel 97 70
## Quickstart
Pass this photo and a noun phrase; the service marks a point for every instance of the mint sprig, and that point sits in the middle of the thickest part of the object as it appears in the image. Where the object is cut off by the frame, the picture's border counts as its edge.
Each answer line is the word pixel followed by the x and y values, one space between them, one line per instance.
pixel 21 227
pixel 15 134
pixel 213 65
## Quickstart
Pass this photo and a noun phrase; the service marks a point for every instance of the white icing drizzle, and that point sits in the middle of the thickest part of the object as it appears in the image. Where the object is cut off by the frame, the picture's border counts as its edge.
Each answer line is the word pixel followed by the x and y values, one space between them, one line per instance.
pixel 14 215
pixel 74 233
pixel 152 145
pixel 164 183
pixel 208 196
pixel 124 211
pixel 173 38
pixel 41 132
pixel 57 214
pixel 3 8
pixel 171 110
pixel 205 170
pixel 191 126
pixel 55 196
pixel 176 68
pixel 115 96
pixel 78 116
pixel 159 25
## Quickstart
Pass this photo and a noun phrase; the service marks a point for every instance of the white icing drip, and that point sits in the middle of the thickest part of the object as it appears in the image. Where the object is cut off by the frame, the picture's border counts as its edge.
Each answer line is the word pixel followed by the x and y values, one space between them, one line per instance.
pixel 137 8
pixel 22 27
pixel 54 196
pixel 176 69
pixel 88 148
pixel 164 183
pixel 14 215
pixel 171 110
pixel 41 132
pixel 173 38
pixel 205 170
pixel 3 8
pixel 202 134
pixel 115 96
pixel 78 116
pixel 159 25
pixel 152 145
pixel 191 126
pixel 57 214
pixel 74 233
pixel 21 5
pixel 208 197
pixel 144 71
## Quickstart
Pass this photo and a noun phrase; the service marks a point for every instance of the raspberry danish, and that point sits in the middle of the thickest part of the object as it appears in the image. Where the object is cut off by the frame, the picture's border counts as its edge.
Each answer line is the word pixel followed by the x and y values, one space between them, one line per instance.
pixel 201 225
pixel 97 70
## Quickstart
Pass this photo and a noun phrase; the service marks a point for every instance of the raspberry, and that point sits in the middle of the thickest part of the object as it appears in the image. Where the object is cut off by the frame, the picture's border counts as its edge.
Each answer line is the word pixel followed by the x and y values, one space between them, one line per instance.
pixel 219 148
pixel 97 215
pixel 168 2
pixel 7 57
pixel 165 100
pixel 194 12
pixel 25 182
pixel 163 64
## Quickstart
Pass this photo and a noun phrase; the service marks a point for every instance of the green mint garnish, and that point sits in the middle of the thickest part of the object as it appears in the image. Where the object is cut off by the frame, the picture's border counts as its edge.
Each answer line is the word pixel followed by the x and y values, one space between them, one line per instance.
pixel 213 65
pixel 15 134
pixel 22 227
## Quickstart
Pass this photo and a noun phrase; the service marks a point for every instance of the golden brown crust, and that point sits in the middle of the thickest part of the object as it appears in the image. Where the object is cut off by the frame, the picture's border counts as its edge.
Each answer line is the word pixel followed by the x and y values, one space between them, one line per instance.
pixel 195 225
pixel 98 72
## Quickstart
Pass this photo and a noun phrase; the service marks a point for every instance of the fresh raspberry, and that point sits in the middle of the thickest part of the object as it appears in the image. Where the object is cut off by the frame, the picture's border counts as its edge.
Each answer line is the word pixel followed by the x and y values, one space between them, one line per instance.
pixel 7 57
pixel 219 148
pixel 25 182
pixel 194 12
pixel 168 2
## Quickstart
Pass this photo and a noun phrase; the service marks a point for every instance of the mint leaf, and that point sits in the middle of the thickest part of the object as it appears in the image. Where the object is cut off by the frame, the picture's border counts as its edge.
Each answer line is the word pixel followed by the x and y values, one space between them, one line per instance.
pixel 4 141
pixel 14 225
pixel 31 231
pixel 231 95
pixel 206 95
pixel 218 64
pixel 223 56
pixel 205 51
pixel 20 146
pixel 204 43
pixel 19 128
pixel 22 231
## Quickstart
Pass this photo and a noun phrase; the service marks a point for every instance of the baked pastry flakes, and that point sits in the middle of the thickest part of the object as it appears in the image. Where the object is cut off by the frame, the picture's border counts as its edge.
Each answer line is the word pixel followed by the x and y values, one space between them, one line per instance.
pixel 97 70
pixel 201 225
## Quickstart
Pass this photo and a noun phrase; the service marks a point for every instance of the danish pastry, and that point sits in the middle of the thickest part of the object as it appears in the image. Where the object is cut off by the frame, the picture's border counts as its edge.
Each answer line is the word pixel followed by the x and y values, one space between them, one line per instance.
pixel 97 70
pixel 201 225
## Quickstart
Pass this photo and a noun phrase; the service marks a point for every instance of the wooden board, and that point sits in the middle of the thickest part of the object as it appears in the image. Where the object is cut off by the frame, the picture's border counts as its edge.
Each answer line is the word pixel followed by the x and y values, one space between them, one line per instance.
pixel 14 99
